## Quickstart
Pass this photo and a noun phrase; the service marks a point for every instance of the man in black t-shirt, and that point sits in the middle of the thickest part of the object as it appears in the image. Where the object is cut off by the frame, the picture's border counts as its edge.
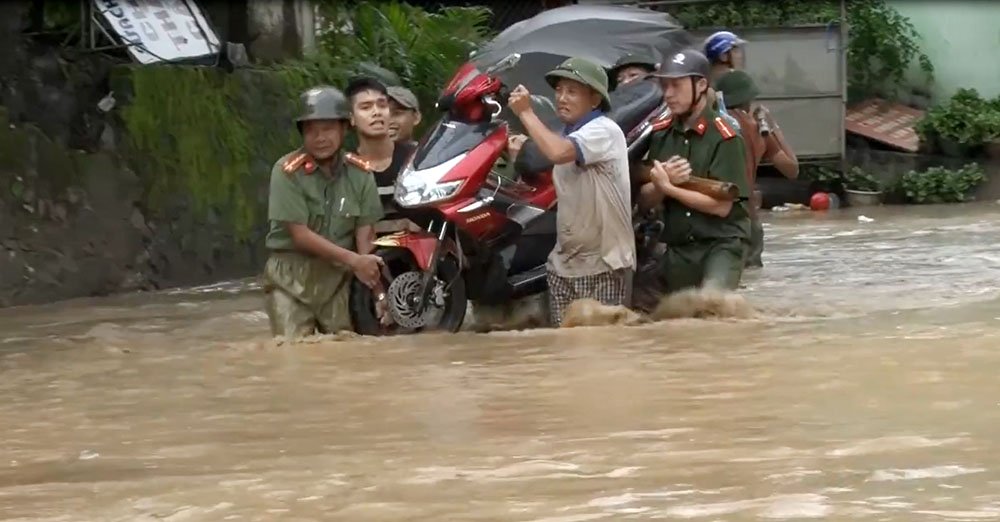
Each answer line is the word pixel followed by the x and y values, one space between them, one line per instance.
pixel 370 117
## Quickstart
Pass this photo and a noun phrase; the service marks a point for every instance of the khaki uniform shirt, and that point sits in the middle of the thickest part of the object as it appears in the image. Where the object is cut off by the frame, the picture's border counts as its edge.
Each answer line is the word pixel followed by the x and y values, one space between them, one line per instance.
pixel 715 150
pixel 333 206
pixel 594 216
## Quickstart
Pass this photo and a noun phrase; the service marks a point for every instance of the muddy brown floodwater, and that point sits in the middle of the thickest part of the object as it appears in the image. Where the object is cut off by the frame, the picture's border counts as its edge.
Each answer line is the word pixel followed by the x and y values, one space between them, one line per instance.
pixel 867 390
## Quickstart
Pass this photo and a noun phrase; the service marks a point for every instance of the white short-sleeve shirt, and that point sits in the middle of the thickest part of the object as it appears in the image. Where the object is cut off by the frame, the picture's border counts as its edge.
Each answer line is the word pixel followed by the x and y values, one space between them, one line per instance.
pixel 594 215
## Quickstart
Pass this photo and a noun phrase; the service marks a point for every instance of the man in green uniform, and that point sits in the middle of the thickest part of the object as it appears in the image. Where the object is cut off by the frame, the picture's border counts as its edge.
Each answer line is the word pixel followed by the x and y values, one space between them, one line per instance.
pixel 322 205
pixel 705 236
pixel 764 142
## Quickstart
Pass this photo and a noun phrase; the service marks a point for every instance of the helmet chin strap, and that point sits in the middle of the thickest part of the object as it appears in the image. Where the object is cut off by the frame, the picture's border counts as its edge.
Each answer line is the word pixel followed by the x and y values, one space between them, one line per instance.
pixel 695 99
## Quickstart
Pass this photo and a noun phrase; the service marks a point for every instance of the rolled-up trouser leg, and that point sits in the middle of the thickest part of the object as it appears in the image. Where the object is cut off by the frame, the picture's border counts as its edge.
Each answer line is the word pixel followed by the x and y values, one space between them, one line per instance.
pixel 705 264
pixel 561 294
pixel 289 317
pixel 755 248
pixel 611 288
pixel 680 267
pixel 334 316
pixel 723 264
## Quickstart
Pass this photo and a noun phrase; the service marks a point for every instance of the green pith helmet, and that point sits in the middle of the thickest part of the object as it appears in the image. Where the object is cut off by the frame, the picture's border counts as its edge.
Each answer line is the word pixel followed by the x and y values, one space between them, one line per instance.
pixel 586 72
pixel 630 60
pixel 738 88
pixel 322 103
pixel 689 62
pixel 634 60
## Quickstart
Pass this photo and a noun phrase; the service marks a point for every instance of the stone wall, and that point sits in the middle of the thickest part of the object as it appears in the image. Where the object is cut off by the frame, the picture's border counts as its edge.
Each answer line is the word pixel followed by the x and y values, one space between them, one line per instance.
pixel 75 223
pixel 83 212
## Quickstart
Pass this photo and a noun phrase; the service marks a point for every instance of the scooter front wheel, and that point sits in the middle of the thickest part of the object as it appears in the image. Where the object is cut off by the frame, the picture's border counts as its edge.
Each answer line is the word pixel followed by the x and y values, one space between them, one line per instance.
pixel 445 310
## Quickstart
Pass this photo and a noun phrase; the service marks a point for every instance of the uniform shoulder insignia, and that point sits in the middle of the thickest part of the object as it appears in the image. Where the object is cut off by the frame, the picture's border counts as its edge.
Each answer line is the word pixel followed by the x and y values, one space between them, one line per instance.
pixel 662 123
pixel 358 162
pixel 724 128
pixel 299 160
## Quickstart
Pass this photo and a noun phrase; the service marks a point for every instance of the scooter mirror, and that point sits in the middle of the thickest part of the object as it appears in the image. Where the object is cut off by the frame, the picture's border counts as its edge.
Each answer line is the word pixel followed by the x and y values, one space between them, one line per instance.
pixel 509 61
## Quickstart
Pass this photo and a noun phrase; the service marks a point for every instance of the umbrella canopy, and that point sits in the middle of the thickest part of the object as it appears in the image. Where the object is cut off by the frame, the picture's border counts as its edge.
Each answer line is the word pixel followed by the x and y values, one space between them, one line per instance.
pixel 600 33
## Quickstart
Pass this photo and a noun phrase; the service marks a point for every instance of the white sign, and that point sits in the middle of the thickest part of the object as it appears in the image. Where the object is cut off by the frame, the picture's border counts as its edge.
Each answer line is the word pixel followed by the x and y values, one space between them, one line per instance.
pixel 160 30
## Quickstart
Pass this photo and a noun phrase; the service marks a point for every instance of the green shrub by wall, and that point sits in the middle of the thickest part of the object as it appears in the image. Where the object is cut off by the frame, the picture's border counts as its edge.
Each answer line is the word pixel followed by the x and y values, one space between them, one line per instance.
pixel 203 132
pixel 214 135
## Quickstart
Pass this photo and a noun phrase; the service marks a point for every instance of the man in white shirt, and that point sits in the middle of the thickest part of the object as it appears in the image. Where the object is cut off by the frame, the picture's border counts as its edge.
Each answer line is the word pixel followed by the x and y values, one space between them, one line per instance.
pixel 594 255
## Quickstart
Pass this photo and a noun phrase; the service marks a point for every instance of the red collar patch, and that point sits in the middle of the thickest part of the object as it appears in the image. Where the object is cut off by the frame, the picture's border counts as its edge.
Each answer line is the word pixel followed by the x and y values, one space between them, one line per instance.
pixel 700 126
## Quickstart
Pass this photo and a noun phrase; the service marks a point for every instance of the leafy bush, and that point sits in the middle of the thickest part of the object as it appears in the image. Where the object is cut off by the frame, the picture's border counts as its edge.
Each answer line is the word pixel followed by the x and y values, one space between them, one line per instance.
pixel 823 177
pixel 941 185
pixel 859 179
pixel 423 48
pixel 966 118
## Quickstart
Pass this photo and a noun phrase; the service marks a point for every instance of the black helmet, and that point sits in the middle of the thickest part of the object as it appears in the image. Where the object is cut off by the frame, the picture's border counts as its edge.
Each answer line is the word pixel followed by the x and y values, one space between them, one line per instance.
pixel 322 103
pixel 689 62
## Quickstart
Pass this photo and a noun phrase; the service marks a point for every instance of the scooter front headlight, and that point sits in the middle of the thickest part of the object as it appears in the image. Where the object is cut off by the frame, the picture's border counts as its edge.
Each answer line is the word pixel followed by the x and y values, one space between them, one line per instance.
pixel 421 187
pixel 414 192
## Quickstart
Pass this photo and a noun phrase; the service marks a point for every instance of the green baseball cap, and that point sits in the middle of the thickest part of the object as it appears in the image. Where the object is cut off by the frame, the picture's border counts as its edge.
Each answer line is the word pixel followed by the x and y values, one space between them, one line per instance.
pixel 404 97
pixel 738 88
pixel 583 71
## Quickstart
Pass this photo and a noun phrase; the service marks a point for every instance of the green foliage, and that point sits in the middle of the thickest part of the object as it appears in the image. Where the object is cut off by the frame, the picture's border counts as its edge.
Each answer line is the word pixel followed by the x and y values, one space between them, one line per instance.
pixel 215 136
pixel 423 48
pixel 859 179
pixel 61 15
pixel 881 42
pixel 755 13
pixel 820 173
pixel 201 131
pixel 966 119
pixel 941 185
pixel 182 124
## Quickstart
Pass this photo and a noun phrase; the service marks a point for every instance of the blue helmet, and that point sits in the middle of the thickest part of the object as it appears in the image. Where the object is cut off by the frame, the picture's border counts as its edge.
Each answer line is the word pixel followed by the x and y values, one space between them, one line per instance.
pixel 720 43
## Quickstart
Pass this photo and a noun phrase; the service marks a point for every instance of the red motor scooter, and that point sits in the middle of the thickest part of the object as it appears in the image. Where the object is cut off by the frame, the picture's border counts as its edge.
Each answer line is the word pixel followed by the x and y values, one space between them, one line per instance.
pixel 486 234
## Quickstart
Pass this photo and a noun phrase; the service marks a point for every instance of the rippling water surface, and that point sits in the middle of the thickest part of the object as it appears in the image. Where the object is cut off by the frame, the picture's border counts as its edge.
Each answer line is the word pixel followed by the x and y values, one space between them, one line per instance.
pixel 867 391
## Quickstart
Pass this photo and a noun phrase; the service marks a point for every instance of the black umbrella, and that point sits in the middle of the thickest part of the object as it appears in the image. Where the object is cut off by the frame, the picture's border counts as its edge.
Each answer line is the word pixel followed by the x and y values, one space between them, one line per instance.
pixel 601 33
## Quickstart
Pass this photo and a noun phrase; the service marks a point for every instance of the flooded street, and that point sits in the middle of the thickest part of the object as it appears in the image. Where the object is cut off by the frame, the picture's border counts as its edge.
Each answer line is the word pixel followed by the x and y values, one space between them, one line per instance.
pixel 866 391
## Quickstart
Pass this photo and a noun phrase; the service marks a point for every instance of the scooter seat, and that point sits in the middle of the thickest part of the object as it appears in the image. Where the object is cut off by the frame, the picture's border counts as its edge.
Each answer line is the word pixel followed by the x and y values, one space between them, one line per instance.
pixel 530 161
pixel 632 103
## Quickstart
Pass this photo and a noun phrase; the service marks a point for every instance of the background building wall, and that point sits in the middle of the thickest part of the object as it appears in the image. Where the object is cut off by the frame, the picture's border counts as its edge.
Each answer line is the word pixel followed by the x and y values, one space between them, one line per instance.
pixel 961 37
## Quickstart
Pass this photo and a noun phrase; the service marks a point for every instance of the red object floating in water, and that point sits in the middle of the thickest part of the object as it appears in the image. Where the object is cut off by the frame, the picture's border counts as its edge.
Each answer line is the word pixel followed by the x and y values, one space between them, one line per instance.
pixel 819 201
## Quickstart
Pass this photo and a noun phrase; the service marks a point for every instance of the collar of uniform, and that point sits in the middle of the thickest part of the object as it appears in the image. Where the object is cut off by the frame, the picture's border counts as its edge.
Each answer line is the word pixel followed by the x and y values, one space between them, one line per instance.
pixel 700 126
pixel 337 164
pixel 589 117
